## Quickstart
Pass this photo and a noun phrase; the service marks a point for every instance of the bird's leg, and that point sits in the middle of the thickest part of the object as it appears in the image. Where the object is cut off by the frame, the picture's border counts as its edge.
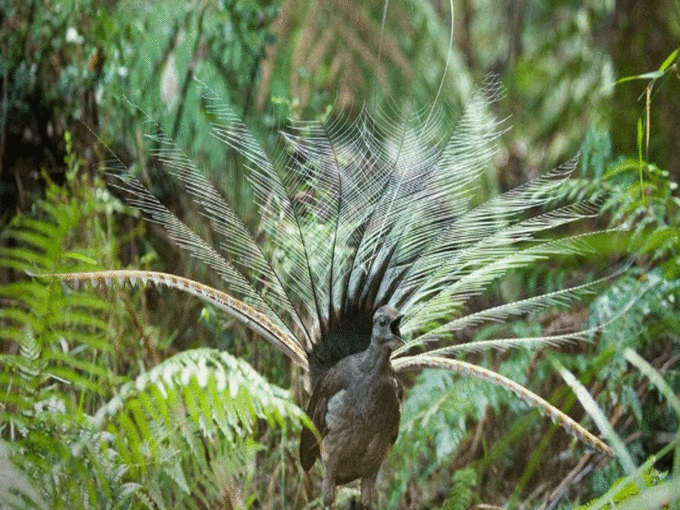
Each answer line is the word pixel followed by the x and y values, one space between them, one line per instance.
pixel 329 482
pixel 367 486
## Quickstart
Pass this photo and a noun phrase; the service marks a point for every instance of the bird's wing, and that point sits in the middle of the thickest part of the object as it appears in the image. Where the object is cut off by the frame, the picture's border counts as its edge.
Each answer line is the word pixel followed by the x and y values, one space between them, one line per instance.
pixel 337 379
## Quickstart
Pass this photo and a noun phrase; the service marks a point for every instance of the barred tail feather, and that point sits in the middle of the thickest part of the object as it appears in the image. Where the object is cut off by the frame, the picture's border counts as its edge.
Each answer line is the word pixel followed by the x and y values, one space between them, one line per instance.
pixel 419 362
pixel 253 319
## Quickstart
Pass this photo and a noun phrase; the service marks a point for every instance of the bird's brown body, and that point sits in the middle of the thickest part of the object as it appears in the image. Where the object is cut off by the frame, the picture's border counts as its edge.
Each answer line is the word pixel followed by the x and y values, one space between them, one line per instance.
pixel 356 408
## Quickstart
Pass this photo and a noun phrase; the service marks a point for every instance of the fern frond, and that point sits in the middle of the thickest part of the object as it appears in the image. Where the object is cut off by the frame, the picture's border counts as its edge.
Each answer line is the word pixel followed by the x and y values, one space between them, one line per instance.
pixel 215 391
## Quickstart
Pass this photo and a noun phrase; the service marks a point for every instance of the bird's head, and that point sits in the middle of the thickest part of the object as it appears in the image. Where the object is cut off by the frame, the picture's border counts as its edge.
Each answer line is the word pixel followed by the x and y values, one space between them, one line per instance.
pixel 386 327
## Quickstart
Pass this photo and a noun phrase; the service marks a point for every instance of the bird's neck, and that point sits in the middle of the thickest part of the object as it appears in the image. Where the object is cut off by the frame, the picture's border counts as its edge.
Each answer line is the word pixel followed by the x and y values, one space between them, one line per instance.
pixel 376 359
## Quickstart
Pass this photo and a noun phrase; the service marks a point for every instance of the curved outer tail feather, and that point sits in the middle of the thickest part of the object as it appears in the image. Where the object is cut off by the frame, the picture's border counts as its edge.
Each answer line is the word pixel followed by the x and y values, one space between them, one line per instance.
pixel 467 369
pixel 236 308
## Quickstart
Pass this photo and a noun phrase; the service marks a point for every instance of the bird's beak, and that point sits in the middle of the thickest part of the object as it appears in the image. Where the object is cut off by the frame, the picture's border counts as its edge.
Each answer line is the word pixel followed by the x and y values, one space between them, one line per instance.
pixel 394 327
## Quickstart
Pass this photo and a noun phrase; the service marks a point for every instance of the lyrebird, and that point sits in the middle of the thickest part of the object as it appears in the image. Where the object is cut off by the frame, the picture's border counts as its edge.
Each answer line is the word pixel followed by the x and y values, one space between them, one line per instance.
pixel 384 249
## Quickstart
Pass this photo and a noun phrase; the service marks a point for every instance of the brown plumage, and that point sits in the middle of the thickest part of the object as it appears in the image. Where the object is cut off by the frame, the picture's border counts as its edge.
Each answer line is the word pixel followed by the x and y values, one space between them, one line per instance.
pixel 356 407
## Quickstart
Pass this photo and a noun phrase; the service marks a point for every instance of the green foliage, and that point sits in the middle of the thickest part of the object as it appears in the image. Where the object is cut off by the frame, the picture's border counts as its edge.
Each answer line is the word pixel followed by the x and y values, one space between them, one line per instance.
pixel 432 428
pixel 35 33
pixel 55 371
pixel 327 52
pixel 213 395
pixel 648 201
pixel 81 426
pixel 625 488
pixel 153 57
pixel 646 486
pixel 463 484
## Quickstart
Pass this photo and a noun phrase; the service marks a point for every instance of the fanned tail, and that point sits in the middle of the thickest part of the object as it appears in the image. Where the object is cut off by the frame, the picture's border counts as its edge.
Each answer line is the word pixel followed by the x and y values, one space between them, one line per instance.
pixel 359 214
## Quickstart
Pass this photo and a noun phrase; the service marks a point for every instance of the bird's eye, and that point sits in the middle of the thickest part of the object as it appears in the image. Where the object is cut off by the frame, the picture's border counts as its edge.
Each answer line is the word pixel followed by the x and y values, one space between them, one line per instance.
pixel 382 322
